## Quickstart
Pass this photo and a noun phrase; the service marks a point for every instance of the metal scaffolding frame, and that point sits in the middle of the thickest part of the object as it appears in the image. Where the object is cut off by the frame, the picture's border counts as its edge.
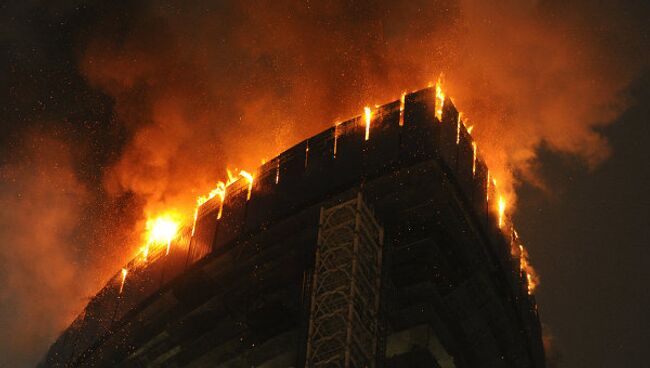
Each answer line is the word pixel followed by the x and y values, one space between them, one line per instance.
pixel 346 286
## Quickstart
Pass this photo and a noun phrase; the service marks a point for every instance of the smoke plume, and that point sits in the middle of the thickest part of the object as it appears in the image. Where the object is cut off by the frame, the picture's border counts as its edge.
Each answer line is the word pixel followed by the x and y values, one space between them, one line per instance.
pixel 205 86
pixel 41 277
pixel 199 86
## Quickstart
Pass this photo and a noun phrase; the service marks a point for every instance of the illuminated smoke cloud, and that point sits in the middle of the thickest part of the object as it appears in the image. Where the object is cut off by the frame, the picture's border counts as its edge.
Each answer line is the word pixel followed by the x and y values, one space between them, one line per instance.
pixel 203 86
pixel 42 281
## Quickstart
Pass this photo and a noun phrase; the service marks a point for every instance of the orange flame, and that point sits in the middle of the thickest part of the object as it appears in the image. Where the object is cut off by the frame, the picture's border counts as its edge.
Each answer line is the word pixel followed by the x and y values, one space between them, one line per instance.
pixel 402 102
pixel 249 178
pixel 502 209
pixel 532 279
pixel 336 137
pixel 368 116
pixel 474 158
pixel 162 230
pixel 487 187
pixel 458 122
pixel 469 129
pixel 440 99
pixel 218 191
pixel 124 273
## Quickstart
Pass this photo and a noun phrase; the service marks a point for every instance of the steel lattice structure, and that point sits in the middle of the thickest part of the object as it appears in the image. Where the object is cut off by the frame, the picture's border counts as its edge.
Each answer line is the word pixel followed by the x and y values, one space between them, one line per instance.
pixel 345 294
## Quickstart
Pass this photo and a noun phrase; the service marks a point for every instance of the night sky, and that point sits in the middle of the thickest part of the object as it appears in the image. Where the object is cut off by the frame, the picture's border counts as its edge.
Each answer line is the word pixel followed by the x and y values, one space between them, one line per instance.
pixel 86 87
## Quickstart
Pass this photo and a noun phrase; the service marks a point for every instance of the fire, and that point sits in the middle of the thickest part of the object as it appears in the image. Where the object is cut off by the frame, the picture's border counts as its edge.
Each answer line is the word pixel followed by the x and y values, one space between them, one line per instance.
pixel 440 99
pixel 502 209
pixel 487 187
pixel 474 158
pixel 402 102
pixel 368 116
pixel 532 279
pixel 458 122
pixel 218 191
pixel 249 178
pixel 336 137
pixel 124 273
pixel 161 230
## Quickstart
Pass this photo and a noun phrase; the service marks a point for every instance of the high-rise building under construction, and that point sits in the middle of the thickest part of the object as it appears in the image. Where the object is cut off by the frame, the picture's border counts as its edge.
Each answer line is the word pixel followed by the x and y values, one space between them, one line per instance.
pixel 376 243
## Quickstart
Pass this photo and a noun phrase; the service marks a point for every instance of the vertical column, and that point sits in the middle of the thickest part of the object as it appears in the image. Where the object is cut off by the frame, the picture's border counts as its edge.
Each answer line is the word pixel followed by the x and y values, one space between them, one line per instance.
pixel 343 324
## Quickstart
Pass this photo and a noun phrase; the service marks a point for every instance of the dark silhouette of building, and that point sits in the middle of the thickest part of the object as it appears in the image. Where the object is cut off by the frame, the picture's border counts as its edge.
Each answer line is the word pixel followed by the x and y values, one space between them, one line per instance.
pixel 357 247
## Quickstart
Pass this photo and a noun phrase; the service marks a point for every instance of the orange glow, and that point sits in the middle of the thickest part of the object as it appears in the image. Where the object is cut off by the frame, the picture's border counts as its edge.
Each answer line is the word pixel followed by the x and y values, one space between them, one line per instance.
pixel 487 187
pixel 145 253
pixel 458 122
pixel 249 178
pixel 124 273
pixel 474 158
pixel 532 279
pixel 231 178
pixel 336 137
pixel 402 101
pixel 502 209
pixel 368 116
pixel 440 99
pixel 161 230
pixel 218 191
pixel 196 215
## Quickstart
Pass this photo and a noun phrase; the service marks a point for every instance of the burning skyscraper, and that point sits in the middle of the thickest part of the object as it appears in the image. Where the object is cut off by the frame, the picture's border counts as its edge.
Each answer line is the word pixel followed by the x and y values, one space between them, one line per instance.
pixel 380 242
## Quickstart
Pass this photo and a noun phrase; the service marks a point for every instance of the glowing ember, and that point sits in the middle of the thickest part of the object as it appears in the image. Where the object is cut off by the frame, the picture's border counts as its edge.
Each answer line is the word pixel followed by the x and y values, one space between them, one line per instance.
pixel 440 99
pixel 469 130
pixel 124 273
pixel 277 168
pixel 368 116
pixel 502 209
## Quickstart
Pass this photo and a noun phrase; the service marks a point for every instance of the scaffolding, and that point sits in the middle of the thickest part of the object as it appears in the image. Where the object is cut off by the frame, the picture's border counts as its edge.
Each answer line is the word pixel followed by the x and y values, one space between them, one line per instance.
pixel 343 322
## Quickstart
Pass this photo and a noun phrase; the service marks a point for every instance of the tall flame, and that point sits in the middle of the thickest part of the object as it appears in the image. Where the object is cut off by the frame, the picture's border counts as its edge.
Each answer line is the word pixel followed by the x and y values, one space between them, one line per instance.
pixel 124 273
pixel 402 102
pixel 458 123
pixel 440 99
pixel 473 158
pixel 502 209
pixel 336 137
pixel 249 178
pixel 532 279
pixel 368 116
